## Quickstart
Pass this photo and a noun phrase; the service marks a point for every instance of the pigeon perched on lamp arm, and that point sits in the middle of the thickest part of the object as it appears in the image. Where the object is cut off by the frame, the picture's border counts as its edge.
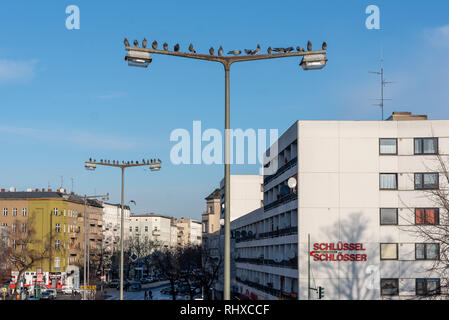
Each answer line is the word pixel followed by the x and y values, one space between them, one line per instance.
pixel 278 49
pixel 220 51
pixel 126 42
pixel 154 45
pixel 247 51
pixel 211 51
pixel 324 46
pixel 176 47
pixel 136 43
pixel 165 45
pixel 144 43
pixel 289 49
pixel 191 49
pixel 235 52
pixel 299 49
pixel 309 46
pixel 269 50
pixel 257 49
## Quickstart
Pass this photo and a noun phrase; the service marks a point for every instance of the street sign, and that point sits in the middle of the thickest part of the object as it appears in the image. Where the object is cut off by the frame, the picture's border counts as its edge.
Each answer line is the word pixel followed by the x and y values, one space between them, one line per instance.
pixel 89 287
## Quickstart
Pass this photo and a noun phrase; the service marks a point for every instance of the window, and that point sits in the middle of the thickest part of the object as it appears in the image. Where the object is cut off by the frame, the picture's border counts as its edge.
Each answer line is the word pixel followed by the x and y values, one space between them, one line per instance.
pixel 427 251
pixel 55 211
pixel 388 146
pixel 427 181
pixel 426 146
pixel 389 287
pixel 388 181
pixel 388 216
pixel 427 216
pixel 57 244
pixel 5 211
pixel 130 229
pixel 24 212
pixel 24 227
pixel 427 287
pixel 146 228
pixel 388 251
pixel 14 212
pixel 137 229
pixel 58 228
pixel 14 228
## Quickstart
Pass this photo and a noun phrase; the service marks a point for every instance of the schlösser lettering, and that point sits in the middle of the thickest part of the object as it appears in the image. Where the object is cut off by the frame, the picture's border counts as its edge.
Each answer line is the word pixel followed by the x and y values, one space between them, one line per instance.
pixel 339 257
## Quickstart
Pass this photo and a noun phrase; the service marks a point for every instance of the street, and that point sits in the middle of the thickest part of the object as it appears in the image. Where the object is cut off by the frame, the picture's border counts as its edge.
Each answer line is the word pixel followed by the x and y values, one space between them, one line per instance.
pixel 114 294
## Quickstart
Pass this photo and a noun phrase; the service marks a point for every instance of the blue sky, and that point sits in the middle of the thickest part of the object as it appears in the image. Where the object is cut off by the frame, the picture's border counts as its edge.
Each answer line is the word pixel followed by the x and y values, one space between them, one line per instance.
pixel 66 95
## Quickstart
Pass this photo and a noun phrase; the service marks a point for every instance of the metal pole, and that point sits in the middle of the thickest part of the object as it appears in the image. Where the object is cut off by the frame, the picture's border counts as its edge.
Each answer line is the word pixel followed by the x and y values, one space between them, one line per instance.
pixel 85 241
pixel 308 282
pixel 227 217
pixel 121 234
pixel 88 248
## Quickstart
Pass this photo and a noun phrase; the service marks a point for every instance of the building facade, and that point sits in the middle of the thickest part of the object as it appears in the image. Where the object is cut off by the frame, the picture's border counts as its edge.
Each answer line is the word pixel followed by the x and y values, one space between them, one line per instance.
pixel 210 219
pixel 151 227
pixel 348 197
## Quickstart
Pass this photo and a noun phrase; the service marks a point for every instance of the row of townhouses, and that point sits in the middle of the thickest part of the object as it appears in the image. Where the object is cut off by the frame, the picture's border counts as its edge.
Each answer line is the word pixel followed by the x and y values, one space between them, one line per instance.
pixel 52 224
pixel 348 207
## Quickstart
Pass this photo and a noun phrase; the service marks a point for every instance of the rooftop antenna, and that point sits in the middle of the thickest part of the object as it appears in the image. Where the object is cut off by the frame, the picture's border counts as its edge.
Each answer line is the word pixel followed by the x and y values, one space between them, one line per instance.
pixel 72 185
pixel 383 83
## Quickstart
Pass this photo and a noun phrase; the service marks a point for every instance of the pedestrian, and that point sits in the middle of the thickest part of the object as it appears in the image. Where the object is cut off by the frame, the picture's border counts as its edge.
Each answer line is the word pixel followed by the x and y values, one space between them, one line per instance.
pixel 150 294
pixel 145 295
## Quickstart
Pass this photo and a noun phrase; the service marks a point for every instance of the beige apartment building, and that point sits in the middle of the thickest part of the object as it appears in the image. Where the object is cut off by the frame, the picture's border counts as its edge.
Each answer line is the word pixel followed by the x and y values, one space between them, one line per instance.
pixel 210 219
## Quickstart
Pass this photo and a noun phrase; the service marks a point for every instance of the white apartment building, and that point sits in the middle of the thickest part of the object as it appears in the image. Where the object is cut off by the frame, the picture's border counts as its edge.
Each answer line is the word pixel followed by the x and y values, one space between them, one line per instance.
pixel 111 225
pixel 362 191
pixel 189 231
pixel 246 194
pixel 151 227
pixel 196 233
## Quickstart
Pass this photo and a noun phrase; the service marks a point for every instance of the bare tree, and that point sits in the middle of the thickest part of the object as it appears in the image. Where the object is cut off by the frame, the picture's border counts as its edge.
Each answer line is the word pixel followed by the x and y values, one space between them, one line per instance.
pixel 434 229
pixel 168 263
pixel 25 250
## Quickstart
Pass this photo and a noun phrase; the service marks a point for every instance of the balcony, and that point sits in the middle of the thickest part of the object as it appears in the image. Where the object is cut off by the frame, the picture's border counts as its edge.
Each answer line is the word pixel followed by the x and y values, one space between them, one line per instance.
pixel 291 263
pixel 270 290
pixel 281 170
pixel 271 234
pixel 282 200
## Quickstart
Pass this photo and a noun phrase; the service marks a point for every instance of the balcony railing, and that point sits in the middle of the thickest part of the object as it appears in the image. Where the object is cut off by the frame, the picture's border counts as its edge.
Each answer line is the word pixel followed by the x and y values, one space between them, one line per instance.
pixel 281 170
pixel 274 292
pixel 291 263
pixel 271 234
pixel 282 200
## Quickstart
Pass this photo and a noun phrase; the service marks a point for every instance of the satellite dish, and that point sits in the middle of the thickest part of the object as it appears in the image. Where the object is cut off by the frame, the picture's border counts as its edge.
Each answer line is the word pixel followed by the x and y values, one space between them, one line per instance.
pixel 292 183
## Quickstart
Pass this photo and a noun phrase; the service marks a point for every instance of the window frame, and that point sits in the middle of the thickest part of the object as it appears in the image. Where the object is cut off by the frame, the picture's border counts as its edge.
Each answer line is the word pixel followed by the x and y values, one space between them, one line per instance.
pixel 24 212
pixel 389 259
pixel 388 224
pixel 388 154
pixel 14 212
pixel 422 146
pixel 388 189
pixel 389 279
pixel 425 217
pixel 426 280
pixel 422 177
pixel 5 212
pixel 425 252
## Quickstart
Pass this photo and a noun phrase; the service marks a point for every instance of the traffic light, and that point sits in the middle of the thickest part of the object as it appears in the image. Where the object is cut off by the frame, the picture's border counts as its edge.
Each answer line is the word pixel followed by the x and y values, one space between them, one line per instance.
pixel 320 292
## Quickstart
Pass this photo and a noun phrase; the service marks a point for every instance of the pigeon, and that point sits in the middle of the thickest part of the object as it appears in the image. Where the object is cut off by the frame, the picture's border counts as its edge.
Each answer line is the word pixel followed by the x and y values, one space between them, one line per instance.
pixel 136 43
pixel 289 49
pixel 126 42
pixel 309 46
pixel 154 45
pixel 211 51
pixel 324 46
pixel 278 49
pixel 144 43
pixel 191 49
pixel 220 51
pixel 235 52
pixel 247 51
pixel 299 49
pixel 269 50
pixel 176 47
pixel 257 49
pixel 165 45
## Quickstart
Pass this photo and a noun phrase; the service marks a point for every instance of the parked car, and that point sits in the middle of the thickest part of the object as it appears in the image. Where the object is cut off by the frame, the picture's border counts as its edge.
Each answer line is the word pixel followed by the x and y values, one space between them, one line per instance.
pixel 135 286
pixel 168 291
pixel 114 283
pixel 69 290
pixel 49 294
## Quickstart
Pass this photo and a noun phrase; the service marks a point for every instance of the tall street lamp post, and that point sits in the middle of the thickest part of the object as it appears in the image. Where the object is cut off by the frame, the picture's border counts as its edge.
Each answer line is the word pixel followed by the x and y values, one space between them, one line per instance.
pixel 312 60
pixel 154 165
pixel 86 238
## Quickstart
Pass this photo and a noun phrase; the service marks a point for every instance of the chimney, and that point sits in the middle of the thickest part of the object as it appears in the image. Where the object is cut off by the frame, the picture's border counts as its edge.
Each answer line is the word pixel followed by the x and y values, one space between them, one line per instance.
pixel 49 190
pixel 402 116
pixel 36 190
pixel 43 189
pixel 3 190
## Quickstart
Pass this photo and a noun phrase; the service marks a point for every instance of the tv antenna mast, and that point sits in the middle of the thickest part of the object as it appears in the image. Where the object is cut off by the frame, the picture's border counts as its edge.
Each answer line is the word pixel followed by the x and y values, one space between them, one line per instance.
pixel 383 83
